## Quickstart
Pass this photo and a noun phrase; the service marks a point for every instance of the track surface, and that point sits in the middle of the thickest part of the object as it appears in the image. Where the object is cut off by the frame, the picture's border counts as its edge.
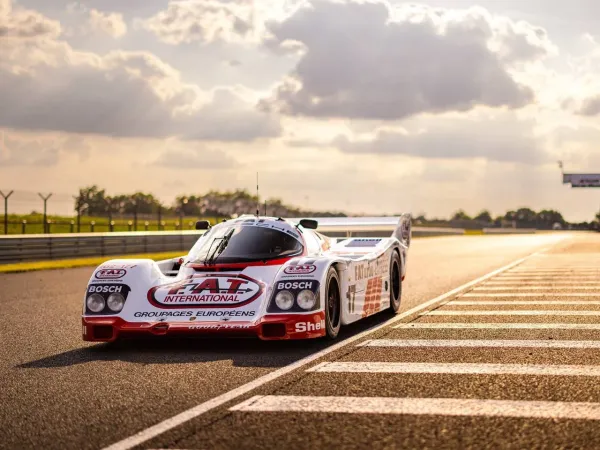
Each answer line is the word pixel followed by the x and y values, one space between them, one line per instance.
pixel 57 392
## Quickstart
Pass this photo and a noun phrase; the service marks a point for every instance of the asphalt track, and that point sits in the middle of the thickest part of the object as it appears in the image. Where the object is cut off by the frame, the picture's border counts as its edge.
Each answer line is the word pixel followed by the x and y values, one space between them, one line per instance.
pixel 453 374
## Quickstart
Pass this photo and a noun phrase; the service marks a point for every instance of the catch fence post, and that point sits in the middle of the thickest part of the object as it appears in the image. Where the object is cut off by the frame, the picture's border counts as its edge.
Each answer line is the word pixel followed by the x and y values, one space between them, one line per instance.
pixel 45 199
pixel 6 197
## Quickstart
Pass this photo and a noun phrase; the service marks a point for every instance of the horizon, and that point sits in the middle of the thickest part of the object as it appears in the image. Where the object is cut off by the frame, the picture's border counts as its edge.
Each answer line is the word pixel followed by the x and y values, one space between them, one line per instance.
pixel 183 96
pixel 62 204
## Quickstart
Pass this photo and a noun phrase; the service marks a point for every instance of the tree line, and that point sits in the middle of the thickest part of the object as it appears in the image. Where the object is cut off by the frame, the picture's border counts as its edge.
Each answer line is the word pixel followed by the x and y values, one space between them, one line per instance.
pixel 545 219
pixel 94 201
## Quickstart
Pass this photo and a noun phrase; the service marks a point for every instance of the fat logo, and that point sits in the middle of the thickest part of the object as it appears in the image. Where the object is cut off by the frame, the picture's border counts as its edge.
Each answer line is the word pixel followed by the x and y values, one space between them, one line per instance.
pixel 300 269
pixel 209 291
pixel 110 274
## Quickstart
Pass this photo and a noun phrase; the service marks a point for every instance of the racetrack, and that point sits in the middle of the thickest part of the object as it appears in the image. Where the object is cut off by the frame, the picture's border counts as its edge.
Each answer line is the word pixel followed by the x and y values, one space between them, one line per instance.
pixel 58 392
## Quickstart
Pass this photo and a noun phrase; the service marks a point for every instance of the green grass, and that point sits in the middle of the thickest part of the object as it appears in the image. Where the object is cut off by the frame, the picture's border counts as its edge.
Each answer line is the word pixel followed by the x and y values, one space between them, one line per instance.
pixel 473 232
pixel 80 262
pixel 65 224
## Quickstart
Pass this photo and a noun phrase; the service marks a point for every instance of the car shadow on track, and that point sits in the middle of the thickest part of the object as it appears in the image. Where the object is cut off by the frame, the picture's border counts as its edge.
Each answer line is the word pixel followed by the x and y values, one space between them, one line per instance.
pixel 242 352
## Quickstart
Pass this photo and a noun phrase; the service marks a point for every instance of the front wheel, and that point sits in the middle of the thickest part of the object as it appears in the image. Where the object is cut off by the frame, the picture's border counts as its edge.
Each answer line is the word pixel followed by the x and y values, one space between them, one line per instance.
pixel 395 283
pixel 332 304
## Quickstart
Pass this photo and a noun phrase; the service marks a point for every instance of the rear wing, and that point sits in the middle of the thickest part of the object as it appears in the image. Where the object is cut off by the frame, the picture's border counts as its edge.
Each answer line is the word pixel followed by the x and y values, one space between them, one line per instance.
pixel 399 227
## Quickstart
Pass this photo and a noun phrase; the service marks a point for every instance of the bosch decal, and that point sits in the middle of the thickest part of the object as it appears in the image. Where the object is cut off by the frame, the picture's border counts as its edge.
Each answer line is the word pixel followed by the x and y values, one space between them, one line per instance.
pixel 210 291
pixel 300 269
pixel 310 285
pixel 110 274
pixel 106 289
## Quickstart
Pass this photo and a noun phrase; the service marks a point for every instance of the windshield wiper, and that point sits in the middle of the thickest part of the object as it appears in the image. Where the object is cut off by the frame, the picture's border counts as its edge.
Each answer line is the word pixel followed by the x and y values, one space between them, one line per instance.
pixel 218 249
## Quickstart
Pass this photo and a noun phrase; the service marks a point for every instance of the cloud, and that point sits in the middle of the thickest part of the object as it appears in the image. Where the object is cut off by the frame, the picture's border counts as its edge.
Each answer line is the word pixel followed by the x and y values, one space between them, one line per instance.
pixel 28 152
pixel 111 24
pixel 590 106
pixel 371 61
pixel 229 118
pixel 51 86
pixel 203 159
pixel 22 23
pixel 201 21
pixel 502 140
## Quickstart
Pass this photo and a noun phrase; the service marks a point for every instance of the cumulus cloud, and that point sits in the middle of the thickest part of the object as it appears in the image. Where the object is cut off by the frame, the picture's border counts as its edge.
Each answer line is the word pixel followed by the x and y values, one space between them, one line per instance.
pixel 111 24
pixel 203 159
pixel 371 61
pixel 51 86
pixel 201 21
pixel 503 140
pixel 23 23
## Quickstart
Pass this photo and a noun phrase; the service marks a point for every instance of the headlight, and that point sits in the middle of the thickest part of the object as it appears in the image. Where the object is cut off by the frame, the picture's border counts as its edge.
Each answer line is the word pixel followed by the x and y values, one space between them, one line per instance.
pixel 306 299
pixel 284 300
pixel 115 302
pixel 95 303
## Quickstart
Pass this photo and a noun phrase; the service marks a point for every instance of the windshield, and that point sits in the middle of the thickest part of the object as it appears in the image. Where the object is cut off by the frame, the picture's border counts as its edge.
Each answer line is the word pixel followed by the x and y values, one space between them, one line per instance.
pixel 241 243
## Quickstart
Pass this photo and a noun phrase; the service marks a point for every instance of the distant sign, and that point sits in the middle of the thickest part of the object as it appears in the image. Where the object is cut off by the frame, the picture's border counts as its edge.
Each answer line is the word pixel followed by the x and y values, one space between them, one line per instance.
pixel 582 180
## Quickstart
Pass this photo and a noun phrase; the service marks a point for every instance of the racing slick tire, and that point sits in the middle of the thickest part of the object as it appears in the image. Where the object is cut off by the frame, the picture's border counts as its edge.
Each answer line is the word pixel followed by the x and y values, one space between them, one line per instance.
pixel 333 304
pixel 395 283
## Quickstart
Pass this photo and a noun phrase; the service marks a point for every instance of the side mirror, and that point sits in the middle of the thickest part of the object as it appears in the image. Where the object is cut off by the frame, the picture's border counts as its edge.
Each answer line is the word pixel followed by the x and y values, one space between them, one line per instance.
pixel 309 224
pixel 202 225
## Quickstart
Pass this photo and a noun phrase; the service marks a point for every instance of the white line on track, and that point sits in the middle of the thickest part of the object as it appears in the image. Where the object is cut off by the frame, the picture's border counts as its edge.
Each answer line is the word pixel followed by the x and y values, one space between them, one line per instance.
pixel 549 283
pixel 550 270
pixel 422 406
pixel 499 326
pixel 548 277
pixel 520 302
pixel 457 368
pixel 535 288
pixel 535 294
pixel 185 416
pixel 554 269
pixel 475 343
pixel 512 312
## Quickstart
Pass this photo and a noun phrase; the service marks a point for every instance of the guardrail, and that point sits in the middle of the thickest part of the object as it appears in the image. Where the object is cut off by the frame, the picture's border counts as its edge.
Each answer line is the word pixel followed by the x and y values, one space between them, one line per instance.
pixel 21 248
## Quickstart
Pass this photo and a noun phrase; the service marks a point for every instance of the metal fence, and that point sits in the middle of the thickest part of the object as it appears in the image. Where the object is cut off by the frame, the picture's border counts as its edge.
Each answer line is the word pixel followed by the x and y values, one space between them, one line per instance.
pixel 62 246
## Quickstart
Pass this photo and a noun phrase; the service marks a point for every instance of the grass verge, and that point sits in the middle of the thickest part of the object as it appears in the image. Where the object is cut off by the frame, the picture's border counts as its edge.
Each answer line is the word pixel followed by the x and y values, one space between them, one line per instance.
pixel 80 262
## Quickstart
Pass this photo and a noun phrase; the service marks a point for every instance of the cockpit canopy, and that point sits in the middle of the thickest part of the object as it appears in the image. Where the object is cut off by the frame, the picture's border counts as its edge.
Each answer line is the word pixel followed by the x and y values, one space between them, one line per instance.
pixel 245 241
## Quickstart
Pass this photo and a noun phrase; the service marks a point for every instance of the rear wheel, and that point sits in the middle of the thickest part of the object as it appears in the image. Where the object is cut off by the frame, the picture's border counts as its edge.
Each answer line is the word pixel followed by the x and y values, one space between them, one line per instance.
pixel 395 283
pixel 332 304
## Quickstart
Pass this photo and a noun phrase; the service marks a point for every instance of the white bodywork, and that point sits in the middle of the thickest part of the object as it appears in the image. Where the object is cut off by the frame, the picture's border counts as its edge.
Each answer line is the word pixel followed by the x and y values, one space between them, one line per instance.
pixel 172 290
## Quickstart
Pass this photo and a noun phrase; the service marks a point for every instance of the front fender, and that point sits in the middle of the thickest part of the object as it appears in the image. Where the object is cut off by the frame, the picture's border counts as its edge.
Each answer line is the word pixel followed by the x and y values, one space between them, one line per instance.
pixel 129 277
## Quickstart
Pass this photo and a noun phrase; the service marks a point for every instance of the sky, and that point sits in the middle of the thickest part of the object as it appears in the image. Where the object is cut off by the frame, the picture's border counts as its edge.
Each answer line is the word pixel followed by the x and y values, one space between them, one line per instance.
pixel 360 106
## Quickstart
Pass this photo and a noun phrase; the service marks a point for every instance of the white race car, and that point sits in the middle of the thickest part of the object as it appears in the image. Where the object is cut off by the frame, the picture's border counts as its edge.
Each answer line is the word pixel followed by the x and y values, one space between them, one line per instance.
pixel 257 276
